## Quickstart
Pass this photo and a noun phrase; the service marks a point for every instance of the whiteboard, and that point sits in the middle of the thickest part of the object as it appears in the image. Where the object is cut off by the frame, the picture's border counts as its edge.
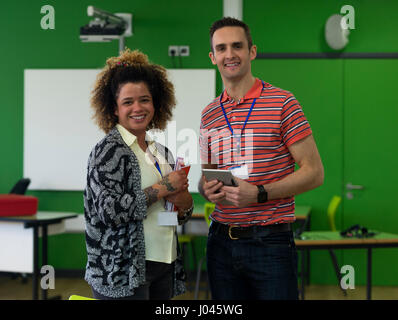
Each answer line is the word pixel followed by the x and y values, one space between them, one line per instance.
pixel 59 132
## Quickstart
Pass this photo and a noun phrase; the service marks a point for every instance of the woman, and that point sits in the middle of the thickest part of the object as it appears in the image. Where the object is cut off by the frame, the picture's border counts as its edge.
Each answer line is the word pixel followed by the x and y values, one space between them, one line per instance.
pixel 131 256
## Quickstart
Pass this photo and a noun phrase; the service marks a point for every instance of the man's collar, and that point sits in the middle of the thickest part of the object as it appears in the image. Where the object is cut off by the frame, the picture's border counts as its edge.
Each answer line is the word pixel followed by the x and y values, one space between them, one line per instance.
pixel 254 92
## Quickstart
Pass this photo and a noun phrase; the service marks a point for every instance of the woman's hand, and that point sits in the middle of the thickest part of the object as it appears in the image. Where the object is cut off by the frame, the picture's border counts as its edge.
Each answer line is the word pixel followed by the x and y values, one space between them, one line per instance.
pixel 175 182
pixel 182 199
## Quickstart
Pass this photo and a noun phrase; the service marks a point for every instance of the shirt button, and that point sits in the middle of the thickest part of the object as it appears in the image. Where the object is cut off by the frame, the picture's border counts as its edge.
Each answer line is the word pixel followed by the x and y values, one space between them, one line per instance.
pixel 233 118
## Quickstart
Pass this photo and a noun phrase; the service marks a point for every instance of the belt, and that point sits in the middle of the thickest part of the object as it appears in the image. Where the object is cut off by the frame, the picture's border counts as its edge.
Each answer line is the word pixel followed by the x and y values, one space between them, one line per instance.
pixel 236 232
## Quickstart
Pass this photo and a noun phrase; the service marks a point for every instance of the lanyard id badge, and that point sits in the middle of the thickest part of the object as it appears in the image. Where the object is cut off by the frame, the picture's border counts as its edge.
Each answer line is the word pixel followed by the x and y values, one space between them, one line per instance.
pixel 241 172
pixel 237 138
pixel 167 218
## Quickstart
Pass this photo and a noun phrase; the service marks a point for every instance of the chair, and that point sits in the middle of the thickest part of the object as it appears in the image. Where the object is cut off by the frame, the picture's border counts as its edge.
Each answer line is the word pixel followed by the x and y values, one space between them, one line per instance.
pixel 77 297
pixel 209 208
pixel 20 188
pixel 331 213
pixel 185 239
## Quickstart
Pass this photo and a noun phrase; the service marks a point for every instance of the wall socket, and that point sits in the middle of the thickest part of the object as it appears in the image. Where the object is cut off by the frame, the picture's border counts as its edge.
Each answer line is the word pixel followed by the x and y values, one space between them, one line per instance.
pixel 175 51
pixel 184 51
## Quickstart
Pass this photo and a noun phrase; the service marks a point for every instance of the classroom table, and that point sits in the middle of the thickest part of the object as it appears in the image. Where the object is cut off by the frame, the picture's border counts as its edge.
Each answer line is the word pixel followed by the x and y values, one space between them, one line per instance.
pixel 325 240
pixel 303 216
pixel 39 220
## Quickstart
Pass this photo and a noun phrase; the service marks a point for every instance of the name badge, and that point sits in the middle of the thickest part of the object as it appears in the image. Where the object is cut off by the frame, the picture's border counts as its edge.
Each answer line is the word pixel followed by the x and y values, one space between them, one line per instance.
pixel 167 218
pixel 241 172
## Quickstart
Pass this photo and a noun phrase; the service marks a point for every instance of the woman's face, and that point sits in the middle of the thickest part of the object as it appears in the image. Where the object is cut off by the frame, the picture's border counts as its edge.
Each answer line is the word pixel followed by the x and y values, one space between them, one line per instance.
pixel 134 107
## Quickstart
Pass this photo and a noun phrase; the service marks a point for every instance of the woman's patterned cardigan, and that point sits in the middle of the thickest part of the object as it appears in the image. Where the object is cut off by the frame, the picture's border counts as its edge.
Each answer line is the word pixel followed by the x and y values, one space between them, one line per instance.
pixel 114 209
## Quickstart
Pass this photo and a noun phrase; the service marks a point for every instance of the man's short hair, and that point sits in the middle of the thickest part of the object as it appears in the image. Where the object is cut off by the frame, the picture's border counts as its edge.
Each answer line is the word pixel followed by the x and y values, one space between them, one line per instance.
pixel 230 22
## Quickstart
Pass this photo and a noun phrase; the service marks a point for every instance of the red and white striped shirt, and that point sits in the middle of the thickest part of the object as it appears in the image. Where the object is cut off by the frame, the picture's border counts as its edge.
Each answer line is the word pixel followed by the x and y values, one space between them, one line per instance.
pixel 276 122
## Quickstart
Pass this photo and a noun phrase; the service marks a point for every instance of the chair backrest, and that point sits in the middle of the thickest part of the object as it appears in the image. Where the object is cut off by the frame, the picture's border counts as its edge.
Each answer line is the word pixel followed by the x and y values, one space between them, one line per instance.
pixel 77 297
pixel 21 186
pixel 209 208
pixel 331 212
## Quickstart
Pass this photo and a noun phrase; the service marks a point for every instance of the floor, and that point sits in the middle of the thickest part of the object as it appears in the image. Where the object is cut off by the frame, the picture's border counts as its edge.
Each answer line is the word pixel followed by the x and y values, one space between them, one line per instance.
pixel 15 289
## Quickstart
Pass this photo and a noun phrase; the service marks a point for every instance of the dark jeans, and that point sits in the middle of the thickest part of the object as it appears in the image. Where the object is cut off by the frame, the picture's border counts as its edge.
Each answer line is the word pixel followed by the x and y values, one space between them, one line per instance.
pixel 158 285
pixel 257 268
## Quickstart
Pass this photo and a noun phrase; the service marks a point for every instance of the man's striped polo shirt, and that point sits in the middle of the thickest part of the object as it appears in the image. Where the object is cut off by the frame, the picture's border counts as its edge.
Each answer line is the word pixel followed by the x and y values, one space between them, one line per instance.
pixel 276 122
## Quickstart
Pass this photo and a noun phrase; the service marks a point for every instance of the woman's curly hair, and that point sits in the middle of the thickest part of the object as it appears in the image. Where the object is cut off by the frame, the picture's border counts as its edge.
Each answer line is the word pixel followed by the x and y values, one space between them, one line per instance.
pixel 131 66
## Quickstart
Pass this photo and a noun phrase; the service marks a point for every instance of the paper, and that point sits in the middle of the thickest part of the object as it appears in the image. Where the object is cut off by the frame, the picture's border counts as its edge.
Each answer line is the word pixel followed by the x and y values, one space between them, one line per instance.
pixel 167 218
pixel 186 169
pixel 178 165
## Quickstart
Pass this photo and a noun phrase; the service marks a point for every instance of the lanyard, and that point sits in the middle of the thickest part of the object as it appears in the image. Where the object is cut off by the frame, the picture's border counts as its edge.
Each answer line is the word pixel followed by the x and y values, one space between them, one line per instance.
pixel 237 137
pixel 247 117
pixel 158 167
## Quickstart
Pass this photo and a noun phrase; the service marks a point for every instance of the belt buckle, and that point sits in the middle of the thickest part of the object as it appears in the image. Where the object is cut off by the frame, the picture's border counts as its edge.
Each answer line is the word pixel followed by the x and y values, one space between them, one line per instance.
pixel 229 232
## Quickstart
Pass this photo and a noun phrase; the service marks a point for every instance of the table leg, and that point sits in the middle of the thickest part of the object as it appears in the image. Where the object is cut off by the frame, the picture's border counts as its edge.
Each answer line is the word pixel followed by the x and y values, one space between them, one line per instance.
pixel 308 253
pixel 44 258
pixel 302 273
pixel 369 276
pixel 35 276
pixel 307 267
pixel 44 292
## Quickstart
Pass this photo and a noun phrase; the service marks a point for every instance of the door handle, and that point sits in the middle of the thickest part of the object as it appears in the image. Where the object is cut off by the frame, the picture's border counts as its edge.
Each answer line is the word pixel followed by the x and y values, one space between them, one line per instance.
pixel 351 186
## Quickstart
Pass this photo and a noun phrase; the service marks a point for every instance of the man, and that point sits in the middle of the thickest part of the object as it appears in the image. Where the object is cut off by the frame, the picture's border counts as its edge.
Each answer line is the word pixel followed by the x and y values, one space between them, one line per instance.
pixel 260 131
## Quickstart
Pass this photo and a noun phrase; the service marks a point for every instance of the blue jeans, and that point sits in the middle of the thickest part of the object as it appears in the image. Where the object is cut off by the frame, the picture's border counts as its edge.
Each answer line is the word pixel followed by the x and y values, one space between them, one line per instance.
pixel 263 268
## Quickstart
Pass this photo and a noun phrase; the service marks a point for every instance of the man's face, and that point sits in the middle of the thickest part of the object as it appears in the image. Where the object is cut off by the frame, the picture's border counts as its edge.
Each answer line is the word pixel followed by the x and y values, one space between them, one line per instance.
pixel 231 53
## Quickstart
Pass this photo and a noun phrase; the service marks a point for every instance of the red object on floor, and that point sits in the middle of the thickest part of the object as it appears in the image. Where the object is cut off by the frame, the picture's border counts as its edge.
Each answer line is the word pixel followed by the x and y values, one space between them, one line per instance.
pixel 17 205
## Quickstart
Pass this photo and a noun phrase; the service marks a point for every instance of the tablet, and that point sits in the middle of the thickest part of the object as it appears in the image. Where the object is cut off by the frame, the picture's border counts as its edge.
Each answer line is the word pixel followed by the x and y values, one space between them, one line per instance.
pixel 225 176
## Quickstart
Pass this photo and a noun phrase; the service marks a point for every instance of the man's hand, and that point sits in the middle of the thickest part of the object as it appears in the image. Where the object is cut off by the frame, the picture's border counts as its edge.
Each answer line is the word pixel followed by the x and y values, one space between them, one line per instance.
pixel 242 195
pixel 212 190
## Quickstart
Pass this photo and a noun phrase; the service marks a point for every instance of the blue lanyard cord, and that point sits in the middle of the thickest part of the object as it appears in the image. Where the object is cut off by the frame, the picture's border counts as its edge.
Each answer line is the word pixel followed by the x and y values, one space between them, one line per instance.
pixel 158 167
pixel 247 117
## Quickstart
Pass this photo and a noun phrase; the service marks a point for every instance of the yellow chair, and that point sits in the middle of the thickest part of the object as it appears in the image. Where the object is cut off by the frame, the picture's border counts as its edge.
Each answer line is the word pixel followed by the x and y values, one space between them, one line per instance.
pixel 77 297
pixel 209 208
pixel 331 213
pixel 332 209
pixel 184 240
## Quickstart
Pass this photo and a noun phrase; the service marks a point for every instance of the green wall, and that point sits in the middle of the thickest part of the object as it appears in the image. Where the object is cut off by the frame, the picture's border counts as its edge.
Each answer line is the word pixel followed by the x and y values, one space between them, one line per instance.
pixel 277 26
pixel 298 26
pixel 333 106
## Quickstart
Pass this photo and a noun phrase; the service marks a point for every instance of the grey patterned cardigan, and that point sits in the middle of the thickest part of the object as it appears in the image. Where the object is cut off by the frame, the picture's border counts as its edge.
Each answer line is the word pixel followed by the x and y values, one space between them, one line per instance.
pixel 114 209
